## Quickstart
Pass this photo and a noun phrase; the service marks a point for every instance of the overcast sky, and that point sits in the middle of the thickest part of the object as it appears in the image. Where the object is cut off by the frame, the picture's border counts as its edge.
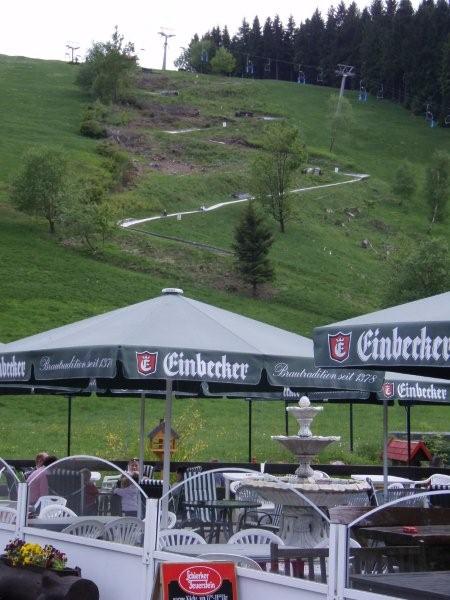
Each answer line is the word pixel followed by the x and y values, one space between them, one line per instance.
pixel 42 28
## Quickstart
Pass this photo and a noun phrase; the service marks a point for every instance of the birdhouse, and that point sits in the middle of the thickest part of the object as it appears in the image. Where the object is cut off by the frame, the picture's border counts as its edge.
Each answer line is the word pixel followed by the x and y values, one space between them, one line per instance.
pixel 156 440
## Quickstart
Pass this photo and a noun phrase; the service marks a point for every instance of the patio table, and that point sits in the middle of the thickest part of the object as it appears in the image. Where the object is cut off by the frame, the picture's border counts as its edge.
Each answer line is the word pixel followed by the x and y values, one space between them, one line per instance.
pixel 226 507
pixel 59 523
pixel 432 585
pixel 259 552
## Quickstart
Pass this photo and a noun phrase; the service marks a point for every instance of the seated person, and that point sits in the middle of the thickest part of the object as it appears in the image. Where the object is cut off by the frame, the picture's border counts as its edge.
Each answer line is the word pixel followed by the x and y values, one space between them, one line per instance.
pixel 39 461
pixel 90 494
pixel 133 466
pixel 129 495
pixel 37 481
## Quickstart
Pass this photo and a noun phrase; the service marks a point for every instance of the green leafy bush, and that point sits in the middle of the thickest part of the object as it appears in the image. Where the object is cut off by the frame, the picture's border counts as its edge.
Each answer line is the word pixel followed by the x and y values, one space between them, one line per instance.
pixel 93 129
pixel 116 162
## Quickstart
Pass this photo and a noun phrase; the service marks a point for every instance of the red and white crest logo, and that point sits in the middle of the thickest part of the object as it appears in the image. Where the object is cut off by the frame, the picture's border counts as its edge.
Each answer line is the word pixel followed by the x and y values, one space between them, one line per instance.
pixel 388 389
pixel 146 362
pixel 339 346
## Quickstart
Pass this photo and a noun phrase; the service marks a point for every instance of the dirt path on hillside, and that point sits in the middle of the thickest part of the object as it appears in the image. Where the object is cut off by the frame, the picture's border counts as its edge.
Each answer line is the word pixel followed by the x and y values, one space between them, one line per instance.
pixel 130 223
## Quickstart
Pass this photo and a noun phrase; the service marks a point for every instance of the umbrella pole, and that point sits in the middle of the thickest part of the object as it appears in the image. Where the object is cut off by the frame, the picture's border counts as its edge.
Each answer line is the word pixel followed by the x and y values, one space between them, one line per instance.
pixel 286 417
pixel 408 431
pixel 351 426
pixel 141 437
pixel 166 459
pixel 385 445
pixel 69 423
pixel 250 430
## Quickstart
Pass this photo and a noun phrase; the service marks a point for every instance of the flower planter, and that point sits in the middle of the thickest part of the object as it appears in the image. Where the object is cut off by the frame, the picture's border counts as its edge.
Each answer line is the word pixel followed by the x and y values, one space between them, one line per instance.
pixel 32 582
pixel 76 572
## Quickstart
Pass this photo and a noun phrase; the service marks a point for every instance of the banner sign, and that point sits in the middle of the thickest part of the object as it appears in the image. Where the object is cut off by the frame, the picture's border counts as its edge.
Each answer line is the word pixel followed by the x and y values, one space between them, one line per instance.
pixel 419 390
pixel 383 345
pixel 199 581
pixel 303 374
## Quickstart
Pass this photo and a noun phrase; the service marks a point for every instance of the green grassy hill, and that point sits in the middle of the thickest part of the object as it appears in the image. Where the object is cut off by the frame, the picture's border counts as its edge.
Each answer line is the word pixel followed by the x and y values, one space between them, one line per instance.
pixel 323 273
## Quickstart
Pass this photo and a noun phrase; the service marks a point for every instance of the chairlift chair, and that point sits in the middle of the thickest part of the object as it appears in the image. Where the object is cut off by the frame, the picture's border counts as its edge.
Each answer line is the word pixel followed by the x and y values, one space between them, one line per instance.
pixel 267 66
pixel 319 78
pixel 380 93
pixel 301 79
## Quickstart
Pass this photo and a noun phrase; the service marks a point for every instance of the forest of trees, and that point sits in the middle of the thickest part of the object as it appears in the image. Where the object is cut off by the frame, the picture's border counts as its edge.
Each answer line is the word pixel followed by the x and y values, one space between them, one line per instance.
pixel 398 52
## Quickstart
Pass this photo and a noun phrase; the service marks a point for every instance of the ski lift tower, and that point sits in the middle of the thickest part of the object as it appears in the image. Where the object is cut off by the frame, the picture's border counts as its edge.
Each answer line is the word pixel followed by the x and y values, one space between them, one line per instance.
pixel 343 71
pixel 72 46
pixel 166 36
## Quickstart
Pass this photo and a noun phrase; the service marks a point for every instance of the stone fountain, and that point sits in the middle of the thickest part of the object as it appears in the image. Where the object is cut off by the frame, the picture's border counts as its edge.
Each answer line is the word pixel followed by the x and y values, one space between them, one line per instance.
pixel 301 523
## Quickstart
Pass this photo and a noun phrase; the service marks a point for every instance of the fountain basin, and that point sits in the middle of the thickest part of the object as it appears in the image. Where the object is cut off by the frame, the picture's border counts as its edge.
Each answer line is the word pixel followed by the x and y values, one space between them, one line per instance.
pixel 321 492
pixel 305 446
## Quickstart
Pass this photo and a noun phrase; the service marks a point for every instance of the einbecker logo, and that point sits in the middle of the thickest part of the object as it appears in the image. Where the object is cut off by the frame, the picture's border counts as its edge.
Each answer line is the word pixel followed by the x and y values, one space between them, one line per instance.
pixel 200 580
pixel 388 389
pixel 146 362
pixel 339 346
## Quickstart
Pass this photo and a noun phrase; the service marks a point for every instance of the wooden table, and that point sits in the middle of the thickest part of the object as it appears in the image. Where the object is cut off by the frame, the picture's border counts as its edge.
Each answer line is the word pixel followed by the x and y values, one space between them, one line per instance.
pixel 428 585
pixel 430 535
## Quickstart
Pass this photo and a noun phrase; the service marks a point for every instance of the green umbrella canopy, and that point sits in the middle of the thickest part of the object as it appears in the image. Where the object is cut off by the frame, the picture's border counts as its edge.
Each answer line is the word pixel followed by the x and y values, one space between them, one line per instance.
pixel 172 337
pixel 414 389
pixel 411 338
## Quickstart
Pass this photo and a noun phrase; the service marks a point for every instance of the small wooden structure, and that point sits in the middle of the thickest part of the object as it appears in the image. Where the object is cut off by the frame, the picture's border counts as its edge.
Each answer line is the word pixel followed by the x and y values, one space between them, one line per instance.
pixel 156 440
pixel 397 452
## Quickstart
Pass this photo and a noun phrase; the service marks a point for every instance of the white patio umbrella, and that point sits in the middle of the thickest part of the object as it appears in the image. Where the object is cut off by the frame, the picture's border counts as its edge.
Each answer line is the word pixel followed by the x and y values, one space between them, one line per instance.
pixel 171 344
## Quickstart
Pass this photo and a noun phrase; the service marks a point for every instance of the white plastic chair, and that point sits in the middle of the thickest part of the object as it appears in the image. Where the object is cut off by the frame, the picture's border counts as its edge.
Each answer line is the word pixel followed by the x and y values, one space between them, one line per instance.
pixel 440 479
pixel 56 511
pixel 171 519
pixel 239 561
pixel 8 515
pixel 109 482
pixel 44 501
pixel 255 536
pixel 124 530
pixel 89 528
pixel 179 537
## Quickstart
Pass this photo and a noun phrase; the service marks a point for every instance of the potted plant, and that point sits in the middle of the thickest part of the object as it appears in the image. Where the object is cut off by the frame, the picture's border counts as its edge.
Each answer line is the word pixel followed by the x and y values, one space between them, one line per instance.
pixel 34 556
pixel 30 571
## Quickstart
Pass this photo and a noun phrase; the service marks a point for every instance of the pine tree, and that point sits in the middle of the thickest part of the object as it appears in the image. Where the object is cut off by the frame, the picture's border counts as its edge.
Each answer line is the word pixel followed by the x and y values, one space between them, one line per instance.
pixel 253 240
pixel 226 41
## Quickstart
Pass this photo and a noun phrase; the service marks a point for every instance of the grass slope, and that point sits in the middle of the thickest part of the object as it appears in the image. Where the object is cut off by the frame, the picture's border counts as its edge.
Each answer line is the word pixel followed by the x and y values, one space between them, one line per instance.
pixel 323 274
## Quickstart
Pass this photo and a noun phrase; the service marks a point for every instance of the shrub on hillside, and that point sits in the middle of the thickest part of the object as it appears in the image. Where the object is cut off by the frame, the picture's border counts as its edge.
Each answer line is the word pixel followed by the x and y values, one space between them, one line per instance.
pixel 117 162
pixel 109 70
pixel 40 187
pixel 93 129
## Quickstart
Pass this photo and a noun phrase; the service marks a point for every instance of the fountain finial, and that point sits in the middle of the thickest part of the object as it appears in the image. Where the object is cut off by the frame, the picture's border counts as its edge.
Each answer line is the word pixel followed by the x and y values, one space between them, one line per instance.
pixel 304 402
